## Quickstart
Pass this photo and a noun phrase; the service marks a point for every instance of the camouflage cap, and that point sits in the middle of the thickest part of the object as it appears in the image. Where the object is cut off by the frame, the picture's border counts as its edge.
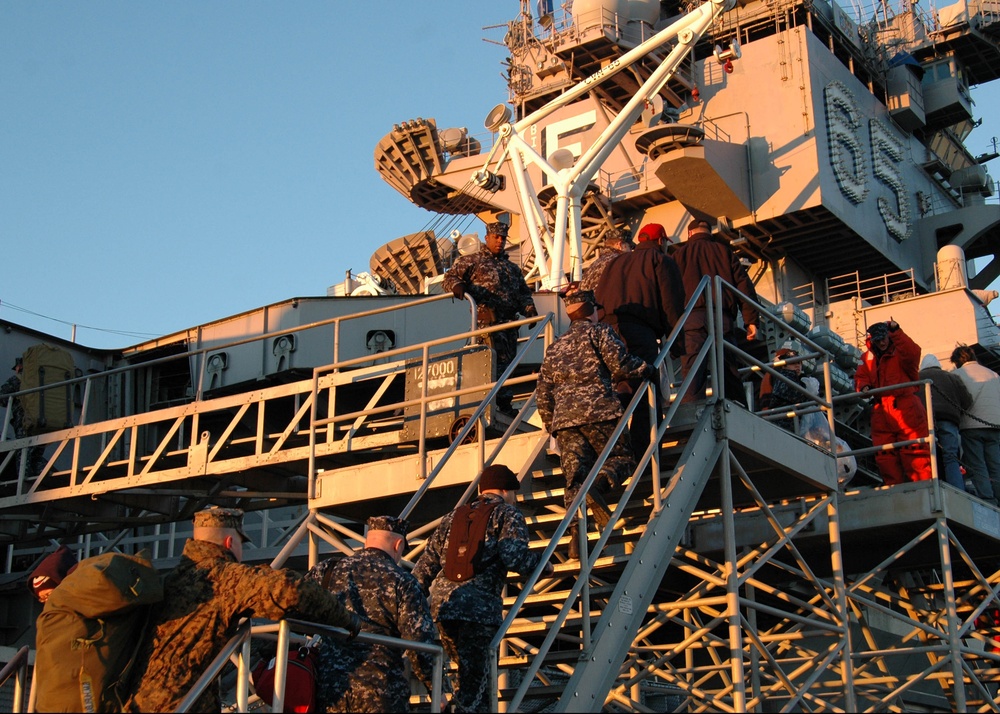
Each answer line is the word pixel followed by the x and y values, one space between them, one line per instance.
pixel 392 524
pixel 578 297
pixel 618 235
pixel 218 517
pixel 574 298
pixel 498 228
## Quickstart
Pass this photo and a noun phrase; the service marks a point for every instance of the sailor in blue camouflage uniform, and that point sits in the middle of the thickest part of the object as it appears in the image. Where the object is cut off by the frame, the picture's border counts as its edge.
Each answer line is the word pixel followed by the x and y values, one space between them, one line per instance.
pixel 469 613
pixel 205 597
pixel 498 287
pixel 579 406
pixel 616 242
pixel 360 677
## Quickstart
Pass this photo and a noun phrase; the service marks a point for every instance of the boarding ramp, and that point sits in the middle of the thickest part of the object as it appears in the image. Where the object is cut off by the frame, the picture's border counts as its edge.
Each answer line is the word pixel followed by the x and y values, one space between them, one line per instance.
pixel 251 447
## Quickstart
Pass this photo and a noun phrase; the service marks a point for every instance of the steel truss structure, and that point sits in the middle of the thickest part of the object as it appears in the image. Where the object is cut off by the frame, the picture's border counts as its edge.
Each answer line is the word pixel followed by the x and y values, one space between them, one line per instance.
pixel 774 617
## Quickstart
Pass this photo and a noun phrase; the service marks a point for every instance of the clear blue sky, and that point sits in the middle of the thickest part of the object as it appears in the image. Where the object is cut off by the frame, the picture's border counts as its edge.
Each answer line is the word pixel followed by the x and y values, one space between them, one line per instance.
pixel 165 164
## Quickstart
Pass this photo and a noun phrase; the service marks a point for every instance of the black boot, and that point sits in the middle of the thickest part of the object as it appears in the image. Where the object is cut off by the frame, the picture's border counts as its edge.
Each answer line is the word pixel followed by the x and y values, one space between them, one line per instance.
pixel 598 508
pixel 574 543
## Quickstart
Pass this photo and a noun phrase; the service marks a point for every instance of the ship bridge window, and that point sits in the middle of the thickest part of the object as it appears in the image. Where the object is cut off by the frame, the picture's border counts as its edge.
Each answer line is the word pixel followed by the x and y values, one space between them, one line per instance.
pixel 942 71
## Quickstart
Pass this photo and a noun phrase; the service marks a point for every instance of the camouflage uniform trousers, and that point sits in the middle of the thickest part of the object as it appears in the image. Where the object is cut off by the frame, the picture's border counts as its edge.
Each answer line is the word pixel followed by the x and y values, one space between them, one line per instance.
pixel 504 344
pixel 358 687
pixel 579 448
pixel 467 644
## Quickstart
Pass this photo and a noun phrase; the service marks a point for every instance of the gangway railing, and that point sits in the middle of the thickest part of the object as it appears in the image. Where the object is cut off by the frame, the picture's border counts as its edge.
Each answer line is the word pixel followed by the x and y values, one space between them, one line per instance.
pixel 11 447
pixel 145 467
pixel 643 396
pixel 17 668
pixel 713 350
pixel 289 631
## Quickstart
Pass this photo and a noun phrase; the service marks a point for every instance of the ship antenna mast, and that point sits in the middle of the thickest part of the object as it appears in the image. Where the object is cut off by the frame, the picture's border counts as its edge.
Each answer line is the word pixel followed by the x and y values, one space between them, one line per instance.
pixel 571 179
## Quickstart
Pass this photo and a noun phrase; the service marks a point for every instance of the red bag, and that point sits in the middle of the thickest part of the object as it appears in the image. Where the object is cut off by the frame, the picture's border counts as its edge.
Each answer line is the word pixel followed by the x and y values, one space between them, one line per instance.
pixel 300 681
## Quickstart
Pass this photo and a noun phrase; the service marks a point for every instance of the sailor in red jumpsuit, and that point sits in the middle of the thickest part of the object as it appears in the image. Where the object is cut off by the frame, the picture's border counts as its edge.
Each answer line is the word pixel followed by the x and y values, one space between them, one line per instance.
pixel 899 415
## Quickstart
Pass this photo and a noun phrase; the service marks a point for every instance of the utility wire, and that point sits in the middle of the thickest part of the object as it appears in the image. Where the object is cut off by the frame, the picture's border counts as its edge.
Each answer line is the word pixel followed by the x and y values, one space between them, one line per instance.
pixel 124 333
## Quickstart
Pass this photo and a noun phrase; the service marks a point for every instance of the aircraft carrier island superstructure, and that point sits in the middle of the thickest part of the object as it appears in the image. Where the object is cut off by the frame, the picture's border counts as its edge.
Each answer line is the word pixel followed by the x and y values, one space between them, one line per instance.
pixel 748 568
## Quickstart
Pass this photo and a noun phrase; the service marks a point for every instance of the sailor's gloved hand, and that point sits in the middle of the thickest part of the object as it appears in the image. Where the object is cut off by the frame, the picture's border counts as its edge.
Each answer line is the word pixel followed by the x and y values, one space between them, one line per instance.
pixel 530 311
pixel 459 291
pixel 355 627
pixel 892 325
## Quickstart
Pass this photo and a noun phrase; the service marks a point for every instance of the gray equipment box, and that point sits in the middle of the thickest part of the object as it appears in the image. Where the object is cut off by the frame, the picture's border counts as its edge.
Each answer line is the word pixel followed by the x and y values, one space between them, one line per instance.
pixel 448 372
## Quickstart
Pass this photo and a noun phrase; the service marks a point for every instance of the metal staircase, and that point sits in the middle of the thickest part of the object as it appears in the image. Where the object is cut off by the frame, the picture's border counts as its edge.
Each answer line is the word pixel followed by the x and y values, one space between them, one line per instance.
pixel 737 575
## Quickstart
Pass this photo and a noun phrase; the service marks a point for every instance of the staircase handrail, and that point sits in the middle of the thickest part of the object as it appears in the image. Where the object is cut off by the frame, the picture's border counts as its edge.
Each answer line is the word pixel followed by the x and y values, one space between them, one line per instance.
pixel 285 628
pixel 17 667
pixel 646 393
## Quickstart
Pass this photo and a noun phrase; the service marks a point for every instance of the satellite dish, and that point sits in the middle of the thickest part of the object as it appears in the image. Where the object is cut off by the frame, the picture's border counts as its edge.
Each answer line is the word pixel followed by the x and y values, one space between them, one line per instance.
pixel 498 116
pixel 562 159
pixel 451 139
pixel 469 244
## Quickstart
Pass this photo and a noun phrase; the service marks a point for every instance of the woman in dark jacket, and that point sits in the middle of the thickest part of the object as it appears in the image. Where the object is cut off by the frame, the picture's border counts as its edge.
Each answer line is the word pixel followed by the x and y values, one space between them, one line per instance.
pixel 949 398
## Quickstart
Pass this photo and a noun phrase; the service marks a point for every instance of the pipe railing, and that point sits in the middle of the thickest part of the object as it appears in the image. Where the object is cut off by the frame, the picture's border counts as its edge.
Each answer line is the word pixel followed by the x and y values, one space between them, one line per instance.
pixel 475 417
pixel 18 669
pixel 287 630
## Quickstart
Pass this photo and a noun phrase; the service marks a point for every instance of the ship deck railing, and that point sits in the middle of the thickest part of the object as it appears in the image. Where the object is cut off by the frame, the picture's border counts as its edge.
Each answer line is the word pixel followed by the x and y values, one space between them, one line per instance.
pixel 877 290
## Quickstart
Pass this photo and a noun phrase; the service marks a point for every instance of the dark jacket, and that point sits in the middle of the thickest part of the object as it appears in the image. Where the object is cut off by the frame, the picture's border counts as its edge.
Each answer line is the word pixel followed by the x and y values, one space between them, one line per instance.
pixel 703 255
pixel 949 394
pixel 643 286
